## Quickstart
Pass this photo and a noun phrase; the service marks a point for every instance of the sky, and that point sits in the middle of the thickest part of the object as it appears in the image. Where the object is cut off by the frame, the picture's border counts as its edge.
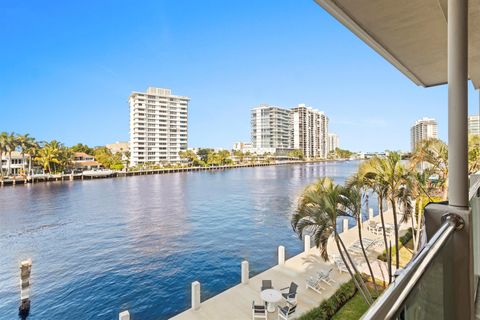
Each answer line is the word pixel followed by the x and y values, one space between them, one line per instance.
pixel 68 67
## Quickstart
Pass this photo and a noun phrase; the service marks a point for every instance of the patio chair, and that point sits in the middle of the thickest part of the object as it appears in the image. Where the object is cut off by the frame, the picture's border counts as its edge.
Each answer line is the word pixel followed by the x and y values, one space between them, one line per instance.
pixel 291 295
pixel 259 311
pixel 285 313
pixel 314 283
pixel 373 228
pixel 325 277
pixel 266 284
pixel 341 265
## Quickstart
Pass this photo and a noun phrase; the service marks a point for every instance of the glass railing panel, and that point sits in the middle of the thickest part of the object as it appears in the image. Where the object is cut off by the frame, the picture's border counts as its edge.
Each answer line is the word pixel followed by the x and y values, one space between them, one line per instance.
pixel 430 297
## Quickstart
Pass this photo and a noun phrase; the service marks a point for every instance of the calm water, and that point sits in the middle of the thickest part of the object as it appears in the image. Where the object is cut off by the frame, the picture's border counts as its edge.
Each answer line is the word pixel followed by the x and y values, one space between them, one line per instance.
pixel 102 246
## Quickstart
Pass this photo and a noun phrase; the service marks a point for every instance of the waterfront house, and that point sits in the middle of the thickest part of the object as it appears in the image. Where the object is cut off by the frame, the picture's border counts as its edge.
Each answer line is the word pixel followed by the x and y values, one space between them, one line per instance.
pixel 17 163
pixel 82 161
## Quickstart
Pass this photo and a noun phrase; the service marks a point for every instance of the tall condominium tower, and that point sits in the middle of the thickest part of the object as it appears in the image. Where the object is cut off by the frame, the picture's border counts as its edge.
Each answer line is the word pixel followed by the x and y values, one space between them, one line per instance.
pixel 333 142
pixel 310 131
pixel 474 125
pixel 271 127
pixel 158 126
pixel 423 129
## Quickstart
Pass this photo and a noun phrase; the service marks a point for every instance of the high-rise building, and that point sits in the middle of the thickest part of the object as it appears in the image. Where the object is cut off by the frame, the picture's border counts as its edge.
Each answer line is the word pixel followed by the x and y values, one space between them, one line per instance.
pixel 310 131
pixel 423 129
pixel 271 127
pixel 474 125
pixel 158 126
pixel 333 142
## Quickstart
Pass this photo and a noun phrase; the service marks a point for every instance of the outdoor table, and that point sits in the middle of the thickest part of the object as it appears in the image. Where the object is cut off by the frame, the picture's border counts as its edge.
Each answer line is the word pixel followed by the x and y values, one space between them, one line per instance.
pixel 271 296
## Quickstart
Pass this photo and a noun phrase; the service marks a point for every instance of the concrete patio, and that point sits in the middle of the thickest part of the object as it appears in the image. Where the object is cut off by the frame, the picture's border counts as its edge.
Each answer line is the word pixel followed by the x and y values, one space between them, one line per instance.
pixel 236 302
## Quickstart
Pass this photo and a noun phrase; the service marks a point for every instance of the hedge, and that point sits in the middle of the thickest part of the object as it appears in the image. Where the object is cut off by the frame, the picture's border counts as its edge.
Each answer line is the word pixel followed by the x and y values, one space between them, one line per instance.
pixel 330 306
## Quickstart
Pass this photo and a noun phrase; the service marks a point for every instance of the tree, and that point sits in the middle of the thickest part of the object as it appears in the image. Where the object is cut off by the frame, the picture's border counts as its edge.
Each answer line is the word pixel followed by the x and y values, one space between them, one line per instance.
pixel 24 142
pixel 473 154
pixel 297 153
pixel 48 155
pixel 434 153
pixel 316 214
pixel 343 153
pixel 188 155
pixel 32 150
pixel 367 177
pixel 107 159
pixel 79 147
pixel 351 200
pixel 3 150
pixel 11 145
pixel 391 175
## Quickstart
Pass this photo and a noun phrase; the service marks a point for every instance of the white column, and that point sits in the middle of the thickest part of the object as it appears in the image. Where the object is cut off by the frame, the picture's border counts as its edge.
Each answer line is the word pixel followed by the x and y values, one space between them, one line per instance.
pixel 370 213
pixel 245 272
pixel 195 295
pixel 306 242
pixel 281 255
pixel 124 315
pixel 345 225
pixel 457 102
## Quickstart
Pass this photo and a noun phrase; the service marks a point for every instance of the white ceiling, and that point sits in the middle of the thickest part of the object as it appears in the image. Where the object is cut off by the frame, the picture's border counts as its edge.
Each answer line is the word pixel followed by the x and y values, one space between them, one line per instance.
pixel 410 34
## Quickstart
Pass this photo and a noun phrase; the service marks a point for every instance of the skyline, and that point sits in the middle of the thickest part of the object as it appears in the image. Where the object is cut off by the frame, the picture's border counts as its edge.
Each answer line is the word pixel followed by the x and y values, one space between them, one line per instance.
pixel 65 55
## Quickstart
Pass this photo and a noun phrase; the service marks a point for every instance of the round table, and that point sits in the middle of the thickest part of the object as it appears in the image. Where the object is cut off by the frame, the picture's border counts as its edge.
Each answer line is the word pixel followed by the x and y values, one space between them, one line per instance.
pixel 271 296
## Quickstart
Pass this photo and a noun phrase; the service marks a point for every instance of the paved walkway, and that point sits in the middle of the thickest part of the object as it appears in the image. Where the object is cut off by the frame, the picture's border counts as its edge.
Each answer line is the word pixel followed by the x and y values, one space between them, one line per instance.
pixel 236 302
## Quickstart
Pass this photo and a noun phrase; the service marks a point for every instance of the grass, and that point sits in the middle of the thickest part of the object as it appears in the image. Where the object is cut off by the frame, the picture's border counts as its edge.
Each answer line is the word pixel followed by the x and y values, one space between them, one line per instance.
pixel 356 306
pixel 352 310
pixel 406 250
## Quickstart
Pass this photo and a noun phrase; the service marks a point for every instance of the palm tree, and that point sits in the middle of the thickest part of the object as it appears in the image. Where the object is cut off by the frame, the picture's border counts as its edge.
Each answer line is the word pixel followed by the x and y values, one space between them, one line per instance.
pixel 317 213
pixel 32 152
pixel 351 199
pixel 3 150
pixel 10 146
pixel 435 153
pixel 368 178
pixel 390 174
pixel 24 142
pixel 48 155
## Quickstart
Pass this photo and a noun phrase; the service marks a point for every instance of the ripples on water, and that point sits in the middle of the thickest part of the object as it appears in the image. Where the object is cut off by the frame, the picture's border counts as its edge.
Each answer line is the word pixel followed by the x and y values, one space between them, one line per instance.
pixel 137 243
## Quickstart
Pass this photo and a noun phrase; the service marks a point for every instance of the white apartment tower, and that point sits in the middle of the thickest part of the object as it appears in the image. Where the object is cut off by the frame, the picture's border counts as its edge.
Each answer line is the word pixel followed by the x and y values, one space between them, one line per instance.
pixel 310 131
pixel 271 127
pixel 474 125
pixel 423 129
pixel 333 142
pixel 158 126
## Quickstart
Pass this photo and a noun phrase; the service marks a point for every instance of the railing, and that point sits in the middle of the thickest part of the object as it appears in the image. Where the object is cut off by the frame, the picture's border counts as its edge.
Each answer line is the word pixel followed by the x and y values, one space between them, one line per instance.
pixel 418 292
pixel 438 282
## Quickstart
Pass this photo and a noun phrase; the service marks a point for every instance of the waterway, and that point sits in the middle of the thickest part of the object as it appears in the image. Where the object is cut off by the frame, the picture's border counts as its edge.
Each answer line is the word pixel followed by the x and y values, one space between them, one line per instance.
pixel 102 246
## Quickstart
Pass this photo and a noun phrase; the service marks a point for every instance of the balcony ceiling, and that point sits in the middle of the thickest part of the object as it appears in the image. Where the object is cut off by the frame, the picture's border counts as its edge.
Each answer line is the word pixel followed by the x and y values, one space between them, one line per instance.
pixel 412 35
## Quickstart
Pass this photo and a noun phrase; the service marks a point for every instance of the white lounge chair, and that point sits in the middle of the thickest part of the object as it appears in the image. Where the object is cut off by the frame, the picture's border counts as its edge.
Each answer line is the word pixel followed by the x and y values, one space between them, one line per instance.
pixel 314 283
pixel 325 277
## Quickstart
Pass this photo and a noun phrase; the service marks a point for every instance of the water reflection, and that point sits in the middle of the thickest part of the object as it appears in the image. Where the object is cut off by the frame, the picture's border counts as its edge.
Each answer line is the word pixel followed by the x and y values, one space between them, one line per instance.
pixel 104 245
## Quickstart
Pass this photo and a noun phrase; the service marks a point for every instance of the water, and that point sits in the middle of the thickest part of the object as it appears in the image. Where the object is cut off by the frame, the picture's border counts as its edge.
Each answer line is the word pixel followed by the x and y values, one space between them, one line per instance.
pixel 99 247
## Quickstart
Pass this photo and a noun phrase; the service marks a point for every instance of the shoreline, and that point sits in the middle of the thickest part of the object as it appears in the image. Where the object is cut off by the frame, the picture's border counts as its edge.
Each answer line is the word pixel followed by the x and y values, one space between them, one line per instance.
pixel 120 174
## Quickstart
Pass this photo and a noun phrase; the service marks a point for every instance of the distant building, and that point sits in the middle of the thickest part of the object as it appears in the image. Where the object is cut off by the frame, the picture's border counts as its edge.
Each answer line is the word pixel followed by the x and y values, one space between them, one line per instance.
pixel 118 147
pixel 333 142
pixel 158 126
pixel 17 163
pixel 271 127
pixel 310 131
pixel 423 129
pixel 474 125
pixel 82 161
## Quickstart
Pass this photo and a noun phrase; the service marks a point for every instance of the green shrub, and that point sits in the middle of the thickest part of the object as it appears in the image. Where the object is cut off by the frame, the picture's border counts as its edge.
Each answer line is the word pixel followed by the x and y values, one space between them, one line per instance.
pixel 330 306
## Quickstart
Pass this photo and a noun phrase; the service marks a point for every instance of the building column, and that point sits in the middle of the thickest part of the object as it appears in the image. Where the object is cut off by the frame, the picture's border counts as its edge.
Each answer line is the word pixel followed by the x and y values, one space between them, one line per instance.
pixel 458 102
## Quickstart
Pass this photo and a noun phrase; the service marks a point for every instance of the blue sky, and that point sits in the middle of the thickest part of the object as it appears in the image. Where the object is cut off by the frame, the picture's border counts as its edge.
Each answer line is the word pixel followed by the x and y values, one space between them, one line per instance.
pixel 68 67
